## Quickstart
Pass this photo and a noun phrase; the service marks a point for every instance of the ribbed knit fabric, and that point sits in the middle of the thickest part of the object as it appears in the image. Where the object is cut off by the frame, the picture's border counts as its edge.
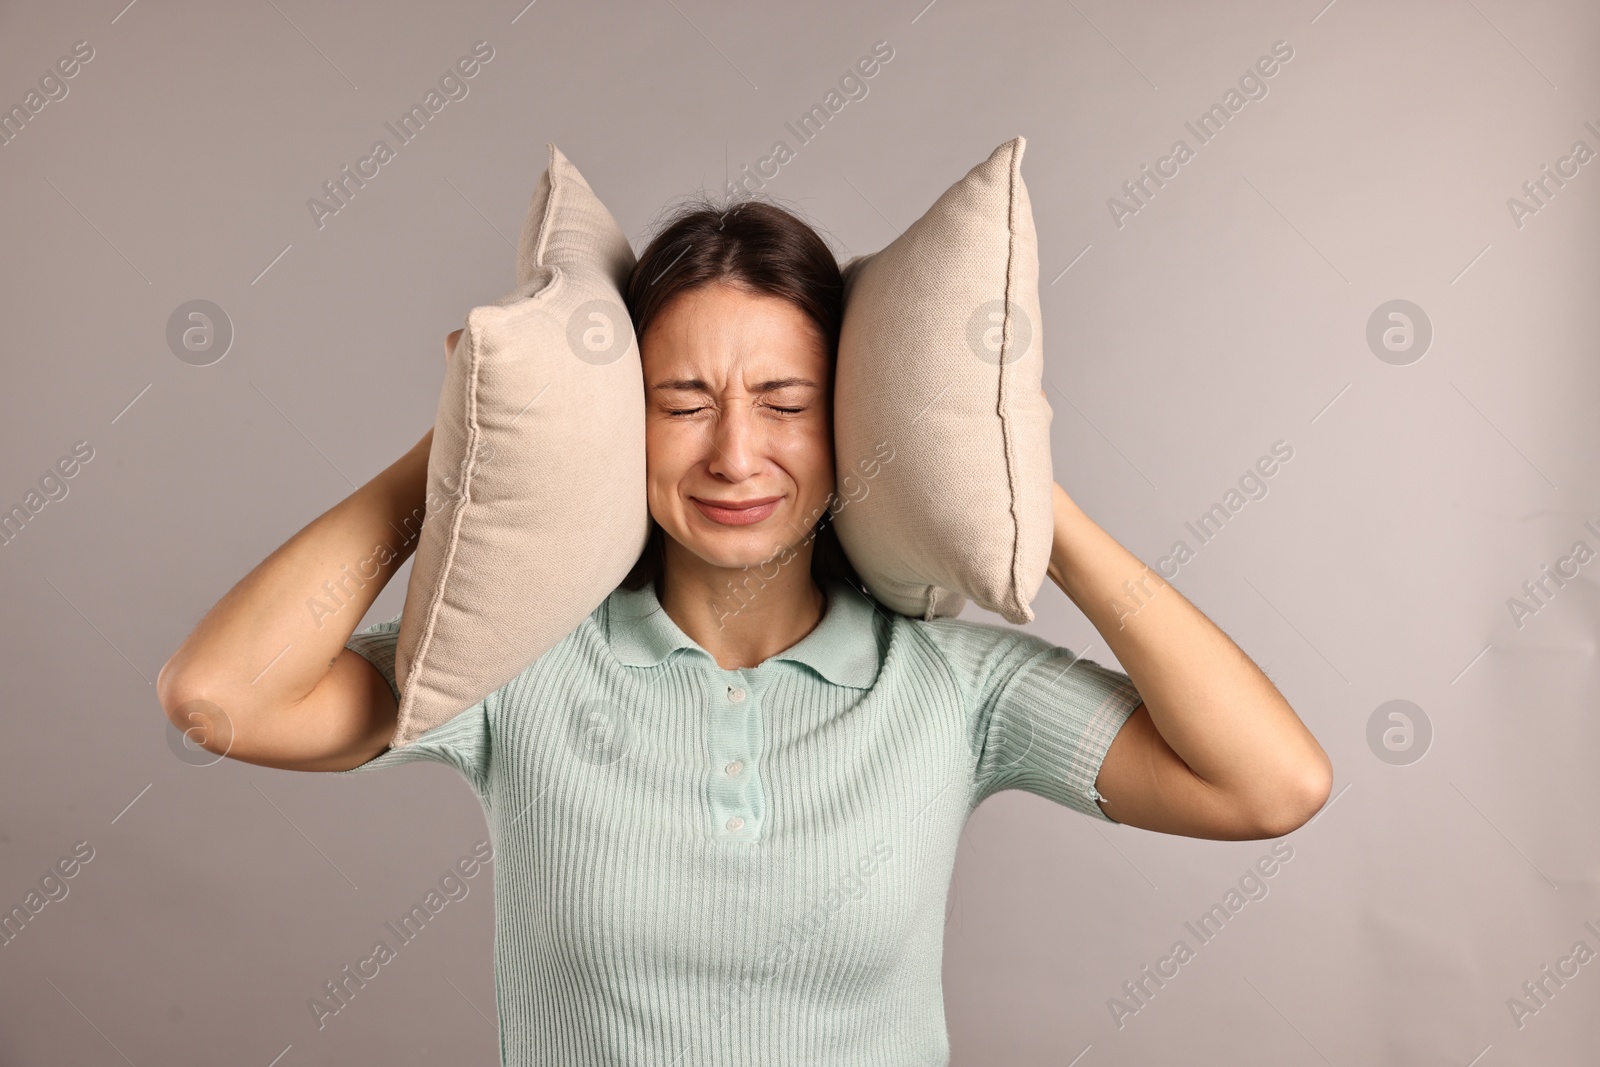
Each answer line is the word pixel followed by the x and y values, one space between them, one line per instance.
pixel 698 866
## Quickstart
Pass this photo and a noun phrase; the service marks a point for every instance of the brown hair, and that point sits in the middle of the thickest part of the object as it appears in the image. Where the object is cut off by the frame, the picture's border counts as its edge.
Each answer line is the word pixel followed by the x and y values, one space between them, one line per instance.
pixel 761 248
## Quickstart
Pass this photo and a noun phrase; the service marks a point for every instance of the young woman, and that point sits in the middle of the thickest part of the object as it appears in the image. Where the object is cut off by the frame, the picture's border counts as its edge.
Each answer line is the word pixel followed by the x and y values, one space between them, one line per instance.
pixel 725 811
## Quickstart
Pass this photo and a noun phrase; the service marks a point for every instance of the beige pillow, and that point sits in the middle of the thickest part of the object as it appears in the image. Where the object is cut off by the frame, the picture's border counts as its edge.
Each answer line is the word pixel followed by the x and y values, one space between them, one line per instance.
pixel 536 504
pixel 941 433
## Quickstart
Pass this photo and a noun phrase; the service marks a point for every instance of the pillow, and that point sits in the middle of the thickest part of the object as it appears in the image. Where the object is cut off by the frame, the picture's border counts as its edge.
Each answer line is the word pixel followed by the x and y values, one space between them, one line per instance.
pixel 941 431
pixel 536 505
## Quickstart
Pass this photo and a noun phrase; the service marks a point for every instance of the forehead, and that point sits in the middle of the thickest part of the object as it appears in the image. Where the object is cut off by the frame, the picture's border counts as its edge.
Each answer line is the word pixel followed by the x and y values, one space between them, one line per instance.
pixel 723 334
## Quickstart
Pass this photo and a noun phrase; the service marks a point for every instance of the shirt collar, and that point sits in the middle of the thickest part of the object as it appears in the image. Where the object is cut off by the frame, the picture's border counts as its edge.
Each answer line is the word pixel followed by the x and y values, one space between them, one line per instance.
pixel 843 647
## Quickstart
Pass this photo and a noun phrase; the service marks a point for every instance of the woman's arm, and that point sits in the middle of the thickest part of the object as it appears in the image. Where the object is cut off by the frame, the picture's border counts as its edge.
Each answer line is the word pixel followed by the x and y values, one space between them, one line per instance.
pixel 265 677
pixel 1214 751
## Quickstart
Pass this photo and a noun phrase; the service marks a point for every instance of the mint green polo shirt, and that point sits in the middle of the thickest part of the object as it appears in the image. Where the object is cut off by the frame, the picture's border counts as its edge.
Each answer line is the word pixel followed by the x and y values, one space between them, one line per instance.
pixel 698 866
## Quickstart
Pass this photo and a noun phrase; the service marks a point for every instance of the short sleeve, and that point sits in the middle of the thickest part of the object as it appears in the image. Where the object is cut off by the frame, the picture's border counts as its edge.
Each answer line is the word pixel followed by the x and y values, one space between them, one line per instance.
pixel 463 742
pixel 1042 717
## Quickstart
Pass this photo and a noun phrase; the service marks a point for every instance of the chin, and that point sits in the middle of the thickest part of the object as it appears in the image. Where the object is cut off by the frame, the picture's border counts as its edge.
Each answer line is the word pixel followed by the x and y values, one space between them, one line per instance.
pixel 736 557
pixel 733 549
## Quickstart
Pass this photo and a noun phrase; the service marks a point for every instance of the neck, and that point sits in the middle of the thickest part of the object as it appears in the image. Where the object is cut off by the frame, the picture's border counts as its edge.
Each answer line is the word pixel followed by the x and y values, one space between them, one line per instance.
pixel 738 615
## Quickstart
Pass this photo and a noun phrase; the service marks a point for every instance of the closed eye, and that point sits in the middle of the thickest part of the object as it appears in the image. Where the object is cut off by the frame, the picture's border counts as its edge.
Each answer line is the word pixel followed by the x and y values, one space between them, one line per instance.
pixel 685 412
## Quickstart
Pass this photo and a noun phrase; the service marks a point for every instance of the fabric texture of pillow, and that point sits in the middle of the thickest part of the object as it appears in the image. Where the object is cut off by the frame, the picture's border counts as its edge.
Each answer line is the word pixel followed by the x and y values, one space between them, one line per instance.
pixel 940 368
pixel 536 507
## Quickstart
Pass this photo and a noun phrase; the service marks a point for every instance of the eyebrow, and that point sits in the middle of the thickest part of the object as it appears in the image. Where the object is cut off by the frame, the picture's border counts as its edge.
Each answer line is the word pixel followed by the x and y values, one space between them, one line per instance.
pixel 698 385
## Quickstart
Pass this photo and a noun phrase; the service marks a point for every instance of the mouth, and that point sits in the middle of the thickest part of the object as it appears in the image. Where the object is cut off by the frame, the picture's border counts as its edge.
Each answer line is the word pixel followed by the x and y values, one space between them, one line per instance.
pixel 738 512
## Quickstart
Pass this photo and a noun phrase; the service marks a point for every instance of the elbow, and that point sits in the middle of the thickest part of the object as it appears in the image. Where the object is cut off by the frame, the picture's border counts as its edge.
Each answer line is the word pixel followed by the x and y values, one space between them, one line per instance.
pixel 175 692
pixel 1295 802
pixel 191 711
pixel 166 680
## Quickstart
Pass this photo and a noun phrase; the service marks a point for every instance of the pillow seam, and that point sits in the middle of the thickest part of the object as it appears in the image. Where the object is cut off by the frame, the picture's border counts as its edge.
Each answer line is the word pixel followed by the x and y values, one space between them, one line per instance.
pixel 1006 428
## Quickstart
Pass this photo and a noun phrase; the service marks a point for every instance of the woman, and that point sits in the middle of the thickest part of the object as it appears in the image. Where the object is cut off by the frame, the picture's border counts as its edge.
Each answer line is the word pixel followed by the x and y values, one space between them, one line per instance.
pixel 725 809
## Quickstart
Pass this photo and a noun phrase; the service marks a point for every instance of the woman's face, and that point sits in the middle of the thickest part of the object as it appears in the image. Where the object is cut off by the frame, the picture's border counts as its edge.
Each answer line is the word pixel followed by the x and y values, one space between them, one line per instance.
pixel 737 413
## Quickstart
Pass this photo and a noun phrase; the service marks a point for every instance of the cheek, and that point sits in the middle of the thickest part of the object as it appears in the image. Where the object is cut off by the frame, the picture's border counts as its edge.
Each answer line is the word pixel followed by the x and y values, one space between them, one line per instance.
pixel 657 459
pixel 810 455
pixel 664 448
pixel 820 441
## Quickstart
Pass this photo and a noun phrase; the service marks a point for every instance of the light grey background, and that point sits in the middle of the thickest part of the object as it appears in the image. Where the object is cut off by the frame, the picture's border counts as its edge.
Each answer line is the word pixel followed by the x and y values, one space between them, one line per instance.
pixel 1229 313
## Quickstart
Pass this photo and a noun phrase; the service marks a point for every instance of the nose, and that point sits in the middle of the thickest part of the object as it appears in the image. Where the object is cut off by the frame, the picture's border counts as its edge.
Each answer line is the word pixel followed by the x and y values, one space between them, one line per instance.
pixel 736 440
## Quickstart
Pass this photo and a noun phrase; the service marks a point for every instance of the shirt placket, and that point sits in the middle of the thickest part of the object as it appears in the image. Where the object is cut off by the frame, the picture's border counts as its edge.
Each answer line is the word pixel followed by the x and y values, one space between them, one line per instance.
pixel 738 802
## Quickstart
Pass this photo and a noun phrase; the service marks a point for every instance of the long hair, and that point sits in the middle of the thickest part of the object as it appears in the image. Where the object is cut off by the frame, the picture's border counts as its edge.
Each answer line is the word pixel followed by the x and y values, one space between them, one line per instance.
pixel 763 249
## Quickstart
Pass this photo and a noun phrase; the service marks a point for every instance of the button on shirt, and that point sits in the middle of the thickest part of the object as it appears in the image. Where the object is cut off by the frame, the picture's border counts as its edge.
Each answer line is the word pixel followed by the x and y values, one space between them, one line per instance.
pixel 696 865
